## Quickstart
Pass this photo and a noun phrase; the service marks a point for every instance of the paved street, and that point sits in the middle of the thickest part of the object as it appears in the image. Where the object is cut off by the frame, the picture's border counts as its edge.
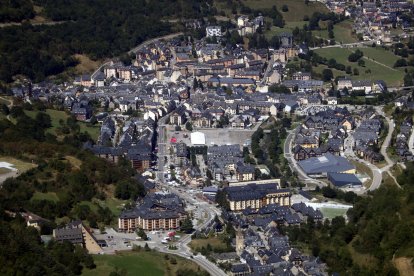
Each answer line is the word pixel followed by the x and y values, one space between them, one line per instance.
pixel 193 203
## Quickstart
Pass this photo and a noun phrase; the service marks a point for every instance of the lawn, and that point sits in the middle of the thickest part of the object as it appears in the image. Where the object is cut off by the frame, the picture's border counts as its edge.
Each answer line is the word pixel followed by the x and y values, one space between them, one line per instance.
pixel 330 213
pixel 214 242
pixel 4 170
pixel 391 76
pixel 289 26
pixel 114 204
pixel 141 263
pixel 57 115
pixel 297 8
pixel 51 196
pixel 380 54
pixel 92 130
pixel 342 32
pixel 22 166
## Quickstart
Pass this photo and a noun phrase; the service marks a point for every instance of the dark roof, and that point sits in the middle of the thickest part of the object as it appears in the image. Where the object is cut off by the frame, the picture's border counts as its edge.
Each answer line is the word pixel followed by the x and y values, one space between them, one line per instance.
pixel 342 179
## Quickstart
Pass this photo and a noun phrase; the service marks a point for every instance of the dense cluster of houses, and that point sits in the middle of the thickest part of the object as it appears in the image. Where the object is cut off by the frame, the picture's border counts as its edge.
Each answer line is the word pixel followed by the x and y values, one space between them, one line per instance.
pixel 402 140
pixel 262 249
pixel 322 133
pixel 374 22
pixel 366 138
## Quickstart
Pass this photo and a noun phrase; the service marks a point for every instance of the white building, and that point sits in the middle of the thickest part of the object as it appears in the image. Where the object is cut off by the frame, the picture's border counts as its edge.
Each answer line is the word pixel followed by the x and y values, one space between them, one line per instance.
pixel 213 31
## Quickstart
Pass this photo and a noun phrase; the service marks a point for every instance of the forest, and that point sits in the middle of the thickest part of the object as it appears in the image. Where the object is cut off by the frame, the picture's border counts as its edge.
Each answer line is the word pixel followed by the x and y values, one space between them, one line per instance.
pixel 98 29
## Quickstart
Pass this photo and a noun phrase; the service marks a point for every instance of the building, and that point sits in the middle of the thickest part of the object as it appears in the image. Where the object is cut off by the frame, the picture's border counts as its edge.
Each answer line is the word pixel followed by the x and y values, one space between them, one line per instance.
pixel 344 180
pixel 213 31
pixel 76 233
pixel 327 163
pixel 156 212
pixel 198 139
pixel 255 196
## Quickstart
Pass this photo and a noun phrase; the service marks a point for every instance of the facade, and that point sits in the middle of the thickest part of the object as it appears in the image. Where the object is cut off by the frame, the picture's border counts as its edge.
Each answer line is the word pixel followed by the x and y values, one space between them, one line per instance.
pixel 255 196
pixel 156 212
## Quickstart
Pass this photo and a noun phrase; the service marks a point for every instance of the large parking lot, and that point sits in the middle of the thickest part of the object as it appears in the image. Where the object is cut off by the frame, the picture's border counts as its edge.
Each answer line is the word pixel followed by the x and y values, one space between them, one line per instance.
pixel 117 241
pixel 215 136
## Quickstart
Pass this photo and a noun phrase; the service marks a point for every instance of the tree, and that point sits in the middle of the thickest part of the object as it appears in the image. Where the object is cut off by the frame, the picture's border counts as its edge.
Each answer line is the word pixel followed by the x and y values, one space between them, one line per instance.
pixel 400 62
pixel 141 233
pixel 43 120
pixel 327 75
pixel 361 63
pixel 4 109
pixel 189 126
pixel 356 71
pixel 187 225
pixel 280 89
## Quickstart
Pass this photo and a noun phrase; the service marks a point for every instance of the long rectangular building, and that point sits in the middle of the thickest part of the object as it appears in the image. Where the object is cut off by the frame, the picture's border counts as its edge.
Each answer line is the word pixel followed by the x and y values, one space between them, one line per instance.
pixel 256 196
pixel 157 212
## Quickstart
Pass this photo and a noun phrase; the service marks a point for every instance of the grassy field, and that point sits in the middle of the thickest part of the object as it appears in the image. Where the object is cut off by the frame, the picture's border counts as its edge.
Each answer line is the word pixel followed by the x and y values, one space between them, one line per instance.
pixel 371 71
pixel 114 204
pixel 51 196
pixel 289 26
pixel 4 170
pixel 86 65
pixel 140 263
pixel 214 242
pixel 18 164
pixel 297 8
pixel 342 32
pixel 380 54
pixel 330 213
pixel 57 115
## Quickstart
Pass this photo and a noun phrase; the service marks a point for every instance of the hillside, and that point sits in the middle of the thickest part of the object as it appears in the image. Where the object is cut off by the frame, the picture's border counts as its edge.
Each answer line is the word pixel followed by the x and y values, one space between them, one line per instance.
pixel 97 29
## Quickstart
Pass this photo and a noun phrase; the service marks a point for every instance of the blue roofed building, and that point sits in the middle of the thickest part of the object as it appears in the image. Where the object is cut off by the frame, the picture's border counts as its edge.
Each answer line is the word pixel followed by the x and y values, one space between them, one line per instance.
pixel 327 163
pixel 344 180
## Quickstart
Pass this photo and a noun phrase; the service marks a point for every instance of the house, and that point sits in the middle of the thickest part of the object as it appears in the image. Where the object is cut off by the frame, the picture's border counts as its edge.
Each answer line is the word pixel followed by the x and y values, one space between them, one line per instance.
pixel 244 172
pixel 178 117
pixel 78 234
pixel 82 111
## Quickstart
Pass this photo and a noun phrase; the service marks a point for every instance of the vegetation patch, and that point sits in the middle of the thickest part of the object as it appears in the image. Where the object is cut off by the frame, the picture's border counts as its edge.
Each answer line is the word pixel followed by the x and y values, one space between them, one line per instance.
pixel 142 263
pixel 22 166
pixel 51 196
pixel 297 9
pixel 370 71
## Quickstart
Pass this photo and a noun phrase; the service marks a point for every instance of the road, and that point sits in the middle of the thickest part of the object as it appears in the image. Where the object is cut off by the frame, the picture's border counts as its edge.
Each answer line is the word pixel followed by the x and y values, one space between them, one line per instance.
pixel 201 206
pixel 376 172
pixel 346 45
pixel 349 153
pixel 137 48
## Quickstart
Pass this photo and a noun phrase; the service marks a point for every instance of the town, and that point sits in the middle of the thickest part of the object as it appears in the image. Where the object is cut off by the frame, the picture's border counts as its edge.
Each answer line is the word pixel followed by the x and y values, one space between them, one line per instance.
pixel 238 146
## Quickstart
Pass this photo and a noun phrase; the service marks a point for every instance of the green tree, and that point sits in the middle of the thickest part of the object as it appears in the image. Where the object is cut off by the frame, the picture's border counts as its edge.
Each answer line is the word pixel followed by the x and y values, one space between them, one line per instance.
pixel 187 225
